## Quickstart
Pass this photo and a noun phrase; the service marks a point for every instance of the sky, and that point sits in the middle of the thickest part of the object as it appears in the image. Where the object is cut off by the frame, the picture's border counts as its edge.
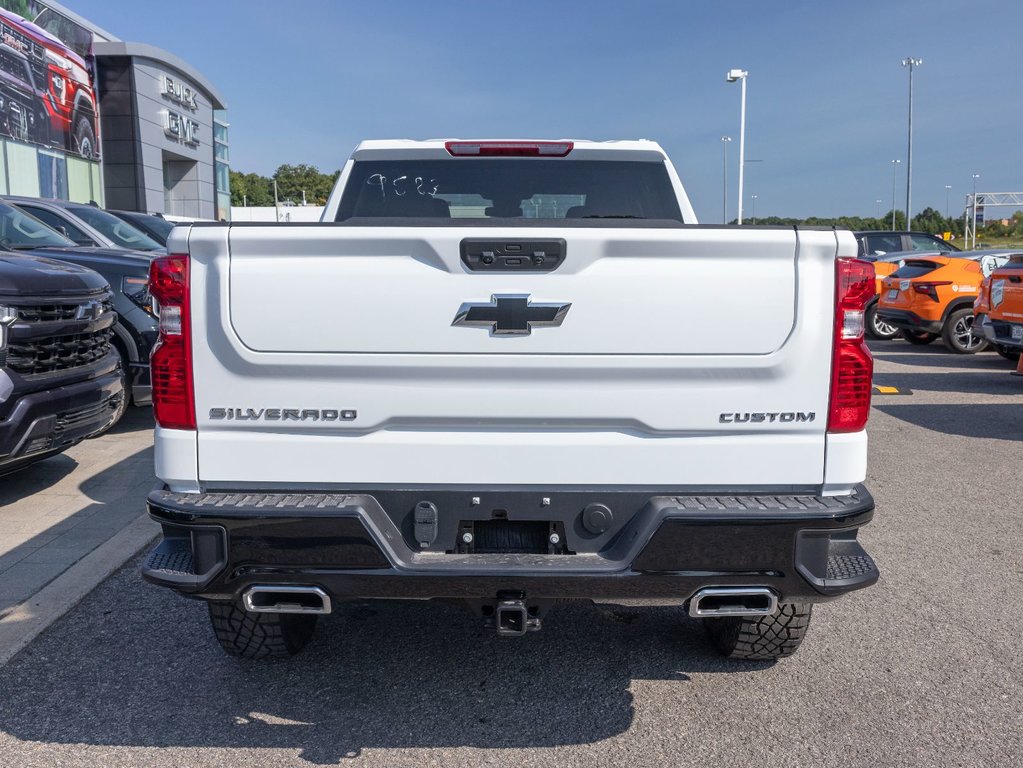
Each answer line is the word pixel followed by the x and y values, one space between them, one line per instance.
pixel 827 100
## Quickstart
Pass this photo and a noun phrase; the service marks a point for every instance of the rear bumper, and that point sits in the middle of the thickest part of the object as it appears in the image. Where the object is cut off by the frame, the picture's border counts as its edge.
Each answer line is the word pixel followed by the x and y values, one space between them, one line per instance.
pixel 661 547
pixel 908 321
pixel 52 420
pixel 998 332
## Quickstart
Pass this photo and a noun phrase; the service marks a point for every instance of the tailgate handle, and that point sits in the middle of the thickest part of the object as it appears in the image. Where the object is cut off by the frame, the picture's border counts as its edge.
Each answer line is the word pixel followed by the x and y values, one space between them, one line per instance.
pixel 488 255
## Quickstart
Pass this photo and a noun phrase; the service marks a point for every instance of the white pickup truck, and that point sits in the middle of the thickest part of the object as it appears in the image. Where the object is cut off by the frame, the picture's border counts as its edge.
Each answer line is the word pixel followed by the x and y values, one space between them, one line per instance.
pixel 511 373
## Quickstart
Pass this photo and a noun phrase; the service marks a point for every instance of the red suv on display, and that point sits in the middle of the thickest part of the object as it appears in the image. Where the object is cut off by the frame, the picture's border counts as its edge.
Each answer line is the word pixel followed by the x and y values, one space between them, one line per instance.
pixel 50 99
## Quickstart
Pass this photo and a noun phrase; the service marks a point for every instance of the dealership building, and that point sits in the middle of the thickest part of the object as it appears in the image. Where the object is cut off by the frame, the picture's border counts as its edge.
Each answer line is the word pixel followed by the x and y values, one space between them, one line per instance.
pixel 85 116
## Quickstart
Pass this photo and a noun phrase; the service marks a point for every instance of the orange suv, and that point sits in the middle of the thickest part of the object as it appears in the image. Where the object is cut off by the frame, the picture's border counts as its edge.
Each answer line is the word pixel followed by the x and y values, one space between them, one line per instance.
pixel 931 296
pixel 1002 300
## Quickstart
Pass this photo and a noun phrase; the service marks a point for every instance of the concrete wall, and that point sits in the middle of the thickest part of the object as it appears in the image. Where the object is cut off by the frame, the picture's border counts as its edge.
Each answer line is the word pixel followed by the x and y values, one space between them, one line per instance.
pixel 140 157
pixel 284 213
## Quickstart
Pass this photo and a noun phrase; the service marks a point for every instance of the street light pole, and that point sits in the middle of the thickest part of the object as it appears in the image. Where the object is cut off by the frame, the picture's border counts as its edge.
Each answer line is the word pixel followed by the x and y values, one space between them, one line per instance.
pixel 912 64
pixel 877 205
pixel 731 77
pixel 724 179
pixel 754 216
pixel 895 167
pixel 948 188
pixel 973 241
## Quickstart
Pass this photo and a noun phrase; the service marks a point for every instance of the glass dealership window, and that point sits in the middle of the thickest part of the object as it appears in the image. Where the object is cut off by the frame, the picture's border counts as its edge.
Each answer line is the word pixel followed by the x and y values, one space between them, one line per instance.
pixel 223 174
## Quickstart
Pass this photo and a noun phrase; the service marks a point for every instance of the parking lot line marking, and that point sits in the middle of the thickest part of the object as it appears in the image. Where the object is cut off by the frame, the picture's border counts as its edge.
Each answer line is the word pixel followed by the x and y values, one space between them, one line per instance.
pixel 883 389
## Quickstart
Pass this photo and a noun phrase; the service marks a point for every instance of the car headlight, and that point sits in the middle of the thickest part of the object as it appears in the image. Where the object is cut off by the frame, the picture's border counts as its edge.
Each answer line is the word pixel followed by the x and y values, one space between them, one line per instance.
pixel 59 87
pixel 137 289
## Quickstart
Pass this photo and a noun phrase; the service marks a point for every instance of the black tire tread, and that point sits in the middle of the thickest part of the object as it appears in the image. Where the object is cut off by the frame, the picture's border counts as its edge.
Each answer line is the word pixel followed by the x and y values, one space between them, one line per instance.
pixel 259 635
pixel 764 638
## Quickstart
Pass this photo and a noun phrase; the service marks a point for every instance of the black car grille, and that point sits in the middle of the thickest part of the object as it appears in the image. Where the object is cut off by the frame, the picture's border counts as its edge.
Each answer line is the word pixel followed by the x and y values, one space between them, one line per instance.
pixel 43 313
pixel 12 65
pixel 58 353
pixel 37 355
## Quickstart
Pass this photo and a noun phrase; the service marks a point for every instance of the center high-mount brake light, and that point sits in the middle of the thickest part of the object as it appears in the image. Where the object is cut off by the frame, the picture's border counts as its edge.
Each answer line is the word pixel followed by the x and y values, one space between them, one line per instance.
pixel 171 361
pixel 508 148
pixel 852 367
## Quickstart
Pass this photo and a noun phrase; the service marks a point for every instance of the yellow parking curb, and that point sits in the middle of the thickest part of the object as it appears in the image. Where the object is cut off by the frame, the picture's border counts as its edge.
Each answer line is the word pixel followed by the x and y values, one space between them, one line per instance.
pixel 880 389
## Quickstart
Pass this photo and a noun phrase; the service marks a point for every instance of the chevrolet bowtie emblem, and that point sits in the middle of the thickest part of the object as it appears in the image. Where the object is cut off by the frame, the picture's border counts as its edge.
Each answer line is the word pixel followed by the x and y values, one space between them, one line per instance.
pixel 511 315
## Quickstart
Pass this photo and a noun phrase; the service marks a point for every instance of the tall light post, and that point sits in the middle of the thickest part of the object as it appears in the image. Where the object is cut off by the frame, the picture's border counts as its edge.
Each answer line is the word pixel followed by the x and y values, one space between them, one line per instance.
pixel 912 64
pixel 877 207
pixel 948 188
pixel 724 179
pixel 754 216
pixel 731 77
pixel 973 241
pixel 895 168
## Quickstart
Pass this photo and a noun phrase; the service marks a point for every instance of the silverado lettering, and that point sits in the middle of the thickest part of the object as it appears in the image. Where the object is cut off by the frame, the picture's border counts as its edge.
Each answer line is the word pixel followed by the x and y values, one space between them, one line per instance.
pixel 282 414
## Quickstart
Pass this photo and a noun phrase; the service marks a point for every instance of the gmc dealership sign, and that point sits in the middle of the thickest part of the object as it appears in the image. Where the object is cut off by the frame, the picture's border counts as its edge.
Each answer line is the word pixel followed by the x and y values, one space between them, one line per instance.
pixel 181 128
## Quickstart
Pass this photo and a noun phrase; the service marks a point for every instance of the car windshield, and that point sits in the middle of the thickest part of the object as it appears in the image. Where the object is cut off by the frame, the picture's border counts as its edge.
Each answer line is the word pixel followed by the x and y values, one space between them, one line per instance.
pixel 121 232
pixel 488 188
pixel 154 224
pixel 19 231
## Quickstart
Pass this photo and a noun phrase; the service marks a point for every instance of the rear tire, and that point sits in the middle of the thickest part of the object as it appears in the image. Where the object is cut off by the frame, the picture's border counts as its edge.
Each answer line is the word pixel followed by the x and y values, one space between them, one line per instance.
pixel 957 336
pixel 260 635
pixel 761 639
pixel 877 328
pixel 919 337
pixel 83 137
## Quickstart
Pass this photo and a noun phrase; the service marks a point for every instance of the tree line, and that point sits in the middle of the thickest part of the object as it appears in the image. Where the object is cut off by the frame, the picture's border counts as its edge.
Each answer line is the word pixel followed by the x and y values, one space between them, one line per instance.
pixel 295 183
pixel 928 220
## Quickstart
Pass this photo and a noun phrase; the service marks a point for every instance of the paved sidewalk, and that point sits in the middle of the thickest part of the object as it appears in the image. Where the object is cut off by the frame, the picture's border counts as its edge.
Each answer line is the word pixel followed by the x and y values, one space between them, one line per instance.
pixel 55 514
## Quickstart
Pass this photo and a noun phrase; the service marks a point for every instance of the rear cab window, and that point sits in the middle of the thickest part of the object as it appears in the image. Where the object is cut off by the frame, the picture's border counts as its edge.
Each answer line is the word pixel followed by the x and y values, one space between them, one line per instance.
pixel 513 191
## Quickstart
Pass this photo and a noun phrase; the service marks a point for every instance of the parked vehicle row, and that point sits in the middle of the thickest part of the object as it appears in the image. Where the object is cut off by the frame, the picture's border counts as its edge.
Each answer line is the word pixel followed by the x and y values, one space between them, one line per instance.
pixel 923 296
pixel 932 295
pixel 77 322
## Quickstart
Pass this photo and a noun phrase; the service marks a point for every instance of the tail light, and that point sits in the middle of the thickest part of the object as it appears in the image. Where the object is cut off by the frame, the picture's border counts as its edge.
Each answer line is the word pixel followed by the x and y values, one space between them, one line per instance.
pixel 171 361
pixel 930 289
pixel 852 367
pixel 508 148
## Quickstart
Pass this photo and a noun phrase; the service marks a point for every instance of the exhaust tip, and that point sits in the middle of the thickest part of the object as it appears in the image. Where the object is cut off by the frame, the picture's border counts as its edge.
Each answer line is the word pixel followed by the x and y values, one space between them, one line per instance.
pixel 733 601
pixel 284 599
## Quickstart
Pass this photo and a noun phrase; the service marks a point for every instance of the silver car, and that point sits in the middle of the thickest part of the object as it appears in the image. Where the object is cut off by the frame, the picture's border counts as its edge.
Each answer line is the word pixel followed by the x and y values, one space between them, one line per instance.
pixel 85 224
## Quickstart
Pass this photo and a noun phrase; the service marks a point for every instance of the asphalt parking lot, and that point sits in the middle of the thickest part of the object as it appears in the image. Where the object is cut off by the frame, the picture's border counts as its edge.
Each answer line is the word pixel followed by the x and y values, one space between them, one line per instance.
pixel 921 670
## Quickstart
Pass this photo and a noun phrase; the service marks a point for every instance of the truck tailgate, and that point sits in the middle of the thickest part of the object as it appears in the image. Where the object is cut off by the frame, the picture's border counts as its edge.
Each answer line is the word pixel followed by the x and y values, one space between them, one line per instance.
pixel 685 357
